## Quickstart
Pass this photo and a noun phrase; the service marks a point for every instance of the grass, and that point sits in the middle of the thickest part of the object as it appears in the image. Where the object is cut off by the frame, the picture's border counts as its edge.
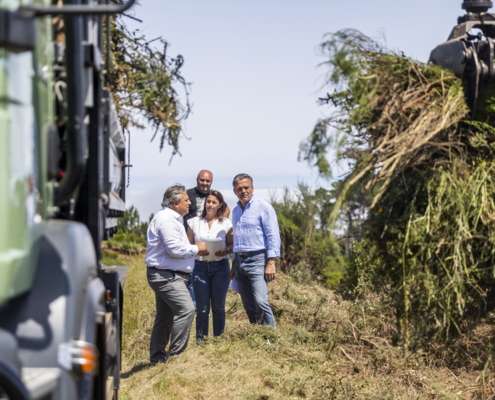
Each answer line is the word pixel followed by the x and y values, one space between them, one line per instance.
pixel 323 348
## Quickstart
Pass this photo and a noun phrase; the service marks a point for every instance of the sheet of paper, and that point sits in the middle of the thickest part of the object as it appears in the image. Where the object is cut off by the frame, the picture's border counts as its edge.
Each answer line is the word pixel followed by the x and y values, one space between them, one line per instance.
pixel 212 246
pixel 233 285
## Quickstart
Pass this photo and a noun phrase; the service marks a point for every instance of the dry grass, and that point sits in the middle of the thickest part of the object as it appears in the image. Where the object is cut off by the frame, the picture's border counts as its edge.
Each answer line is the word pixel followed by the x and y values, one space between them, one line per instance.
pixel 323 348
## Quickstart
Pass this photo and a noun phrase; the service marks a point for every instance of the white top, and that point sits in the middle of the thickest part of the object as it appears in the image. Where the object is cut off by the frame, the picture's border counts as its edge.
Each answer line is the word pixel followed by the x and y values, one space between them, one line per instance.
pixel 168 245
pixel 218 229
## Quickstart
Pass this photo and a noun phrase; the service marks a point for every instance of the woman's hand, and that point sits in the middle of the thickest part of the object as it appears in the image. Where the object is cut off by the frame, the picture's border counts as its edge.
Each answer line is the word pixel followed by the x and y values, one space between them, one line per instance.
pixel 223 252
pixel 203 253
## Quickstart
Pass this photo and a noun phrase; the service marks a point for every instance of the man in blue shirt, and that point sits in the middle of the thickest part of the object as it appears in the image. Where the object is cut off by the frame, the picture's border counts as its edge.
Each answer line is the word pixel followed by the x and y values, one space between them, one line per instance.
pixel 256 245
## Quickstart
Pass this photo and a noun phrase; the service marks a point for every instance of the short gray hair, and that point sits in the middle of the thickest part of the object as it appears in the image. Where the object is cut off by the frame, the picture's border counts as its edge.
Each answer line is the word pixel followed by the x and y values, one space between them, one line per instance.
pixel 240 177
pixel 173 193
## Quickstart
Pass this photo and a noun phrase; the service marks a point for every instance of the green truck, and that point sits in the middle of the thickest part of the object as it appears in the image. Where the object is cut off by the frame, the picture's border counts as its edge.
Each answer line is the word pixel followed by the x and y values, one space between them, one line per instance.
pixel 62 174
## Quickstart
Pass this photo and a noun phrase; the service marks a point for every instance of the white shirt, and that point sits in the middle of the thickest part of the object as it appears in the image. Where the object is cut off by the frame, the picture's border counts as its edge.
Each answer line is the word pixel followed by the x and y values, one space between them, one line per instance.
pixel 219 229
pixel 168 245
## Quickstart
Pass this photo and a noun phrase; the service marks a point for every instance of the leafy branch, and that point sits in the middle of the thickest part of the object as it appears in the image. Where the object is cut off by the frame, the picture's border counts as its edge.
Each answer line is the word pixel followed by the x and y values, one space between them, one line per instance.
pixel 143 81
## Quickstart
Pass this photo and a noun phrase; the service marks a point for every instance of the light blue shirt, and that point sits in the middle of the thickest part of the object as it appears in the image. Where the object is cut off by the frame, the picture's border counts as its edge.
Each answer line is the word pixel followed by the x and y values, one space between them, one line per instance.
pixel 256 228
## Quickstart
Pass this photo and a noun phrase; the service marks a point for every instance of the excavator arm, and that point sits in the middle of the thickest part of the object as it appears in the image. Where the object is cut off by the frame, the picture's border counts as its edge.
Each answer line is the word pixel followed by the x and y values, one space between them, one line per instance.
pixel 467 55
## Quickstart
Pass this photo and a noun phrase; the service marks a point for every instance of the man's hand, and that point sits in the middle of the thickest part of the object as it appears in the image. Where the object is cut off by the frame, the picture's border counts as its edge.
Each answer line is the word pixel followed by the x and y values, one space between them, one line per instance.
pixel 202 249
pixel 232 271
pixel 270 270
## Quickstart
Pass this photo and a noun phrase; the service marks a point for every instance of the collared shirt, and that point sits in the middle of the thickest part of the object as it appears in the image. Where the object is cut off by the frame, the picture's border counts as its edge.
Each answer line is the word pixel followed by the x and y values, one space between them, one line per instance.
pixel 218 229
pixel 168 245
pixel 256 228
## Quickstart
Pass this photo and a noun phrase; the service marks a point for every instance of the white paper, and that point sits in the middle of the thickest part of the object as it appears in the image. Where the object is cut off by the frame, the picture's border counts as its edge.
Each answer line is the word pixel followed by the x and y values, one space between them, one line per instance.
pixel 212 246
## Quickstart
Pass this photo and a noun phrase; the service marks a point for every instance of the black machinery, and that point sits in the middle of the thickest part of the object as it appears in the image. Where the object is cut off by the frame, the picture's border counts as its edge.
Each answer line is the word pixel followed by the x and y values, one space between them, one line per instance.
pixel 470 55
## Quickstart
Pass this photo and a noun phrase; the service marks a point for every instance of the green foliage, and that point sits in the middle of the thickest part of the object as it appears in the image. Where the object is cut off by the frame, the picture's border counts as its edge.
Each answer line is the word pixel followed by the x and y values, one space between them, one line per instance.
pixel 439 249
pixel 143 81
pixel 110 258
pixel 131 222
pixel 128 243
pixel 362 275
pixel 308 251
pixel 426 171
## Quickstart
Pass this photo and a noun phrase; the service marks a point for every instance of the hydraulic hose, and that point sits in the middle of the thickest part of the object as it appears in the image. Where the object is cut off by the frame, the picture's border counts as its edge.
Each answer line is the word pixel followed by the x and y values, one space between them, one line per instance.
pixel 76 132
pixel 11 383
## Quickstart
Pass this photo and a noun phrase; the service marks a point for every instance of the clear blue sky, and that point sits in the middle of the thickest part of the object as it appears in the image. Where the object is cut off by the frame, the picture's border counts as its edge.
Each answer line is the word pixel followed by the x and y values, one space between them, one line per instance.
pixel 255 75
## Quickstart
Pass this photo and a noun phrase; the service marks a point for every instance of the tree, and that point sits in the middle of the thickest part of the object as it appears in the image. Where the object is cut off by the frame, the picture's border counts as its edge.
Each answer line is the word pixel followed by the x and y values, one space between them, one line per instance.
pixel 308 251
pixel 131 223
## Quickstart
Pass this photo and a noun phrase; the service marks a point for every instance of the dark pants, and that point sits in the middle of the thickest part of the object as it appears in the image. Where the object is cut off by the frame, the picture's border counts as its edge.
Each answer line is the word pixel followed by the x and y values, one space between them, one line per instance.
pixel 211 282
pixel 250 277
pixel 174 313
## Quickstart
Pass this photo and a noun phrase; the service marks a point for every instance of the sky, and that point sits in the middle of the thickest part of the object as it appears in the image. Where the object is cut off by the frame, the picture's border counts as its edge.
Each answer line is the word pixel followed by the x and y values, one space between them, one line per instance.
pixel 256 77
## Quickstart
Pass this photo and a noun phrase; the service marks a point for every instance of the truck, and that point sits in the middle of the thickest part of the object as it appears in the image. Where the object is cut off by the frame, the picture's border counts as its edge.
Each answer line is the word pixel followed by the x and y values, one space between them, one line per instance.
pixel 62 189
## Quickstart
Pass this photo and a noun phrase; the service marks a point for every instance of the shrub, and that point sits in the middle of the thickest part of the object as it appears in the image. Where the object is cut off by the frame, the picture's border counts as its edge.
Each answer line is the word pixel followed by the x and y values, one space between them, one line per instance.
pixel 110 258
pixel 362 274
pixel 128 243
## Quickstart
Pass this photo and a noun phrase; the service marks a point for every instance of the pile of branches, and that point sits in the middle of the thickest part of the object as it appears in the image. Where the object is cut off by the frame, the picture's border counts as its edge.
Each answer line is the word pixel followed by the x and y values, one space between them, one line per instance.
pixel 427 168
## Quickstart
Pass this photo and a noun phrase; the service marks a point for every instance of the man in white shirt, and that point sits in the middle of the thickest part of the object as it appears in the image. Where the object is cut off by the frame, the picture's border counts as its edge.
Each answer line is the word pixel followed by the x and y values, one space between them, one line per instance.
pixel 170 260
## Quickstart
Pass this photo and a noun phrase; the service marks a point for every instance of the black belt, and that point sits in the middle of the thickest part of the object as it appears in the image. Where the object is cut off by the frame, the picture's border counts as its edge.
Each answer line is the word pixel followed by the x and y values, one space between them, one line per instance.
pixel 185 274
pixel 247 254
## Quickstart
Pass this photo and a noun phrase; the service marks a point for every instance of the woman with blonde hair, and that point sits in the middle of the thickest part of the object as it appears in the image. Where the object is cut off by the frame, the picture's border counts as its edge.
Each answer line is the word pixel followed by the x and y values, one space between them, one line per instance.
pixel 211 279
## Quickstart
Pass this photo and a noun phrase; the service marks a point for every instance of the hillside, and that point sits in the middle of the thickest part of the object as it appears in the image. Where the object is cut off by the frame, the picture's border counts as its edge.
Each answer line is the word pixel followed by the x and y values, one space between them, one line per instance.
pixel 323 348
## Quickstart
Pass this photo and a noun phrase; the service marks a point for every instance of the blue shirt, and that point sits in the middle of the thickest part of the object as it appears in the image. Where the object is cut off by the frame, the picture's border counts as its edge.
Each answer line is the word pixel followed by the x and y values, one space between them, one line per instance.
pixel 256 228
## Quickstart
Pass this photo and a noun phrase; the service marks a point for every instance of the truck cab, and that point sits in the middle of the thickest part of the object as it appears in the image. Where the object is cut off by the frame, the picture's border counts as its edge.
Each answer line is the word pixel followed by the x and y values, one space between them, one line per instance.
pixel 62 174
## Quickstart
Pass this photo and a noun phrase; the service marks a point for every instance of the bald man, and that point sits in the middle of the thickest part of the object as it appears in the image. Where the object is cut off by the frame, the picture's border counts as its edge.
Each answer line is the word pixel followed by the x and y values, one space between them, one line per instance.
pixel 198 194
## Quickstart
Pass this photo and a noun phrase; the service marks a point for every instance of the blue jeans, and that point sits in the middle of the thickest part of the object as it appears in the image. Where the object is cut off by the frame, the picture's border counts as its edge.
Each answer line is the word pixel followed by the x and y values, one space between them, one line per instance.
pixel 211 282
pixel 191 290
pixel 250 277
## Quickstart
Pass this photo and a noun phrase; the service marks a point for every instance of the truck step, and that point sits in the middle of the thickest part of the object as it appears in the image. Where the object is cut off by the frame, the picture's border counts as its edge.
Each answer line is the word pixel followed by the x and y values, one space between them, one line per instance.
pixel 110 388
pixel 40 381
pixel 108 326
